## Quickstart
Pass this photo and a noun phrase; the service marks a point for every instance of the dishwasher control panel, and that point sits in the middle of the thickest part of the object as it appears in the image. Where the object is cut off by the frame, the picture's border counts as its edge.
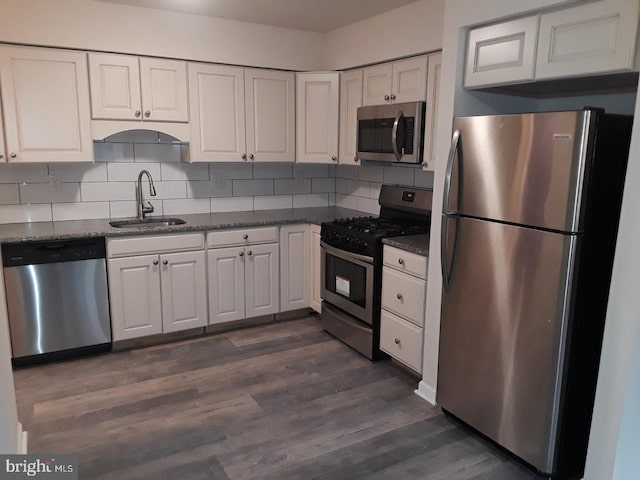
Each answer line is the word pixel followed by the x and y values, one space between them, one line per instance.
pixel 38 253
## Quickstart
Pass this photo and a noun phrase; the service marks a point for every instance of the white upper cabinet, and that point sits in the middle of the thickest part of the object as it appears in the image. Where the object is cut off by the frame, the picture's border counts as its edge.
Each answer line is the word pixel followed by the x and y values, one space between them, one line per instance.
pixel 350 100
pixel 216 95
pixel 3 152
pixel 45 96
pixel 395 82
pixel 270 112
pixel 125 87
pixel 241 114
pixel 317 117
pixel 433 101
pixel 502 53
pixel 592 38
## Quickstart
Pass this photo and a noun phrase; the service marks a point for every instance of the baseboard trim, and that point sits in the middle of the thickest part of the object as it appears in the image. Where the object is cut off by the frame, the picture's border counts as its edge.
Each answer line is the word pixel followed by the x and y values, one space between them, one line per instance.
pixel 427 393
pixel 22 440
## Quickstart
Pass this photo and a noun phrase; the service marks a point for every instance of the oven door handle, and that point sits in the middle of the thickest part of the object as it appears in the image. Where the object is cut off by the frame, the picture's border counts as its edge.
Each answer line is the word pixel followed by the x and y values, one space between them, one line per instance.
pixel 346 255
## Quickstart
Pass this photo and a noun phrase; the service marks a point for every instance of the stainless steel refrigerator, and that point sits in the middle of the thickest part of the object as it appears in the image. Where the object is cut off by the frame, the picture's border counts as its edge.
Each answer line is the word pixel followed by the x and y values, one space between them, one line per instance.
pixel 530 214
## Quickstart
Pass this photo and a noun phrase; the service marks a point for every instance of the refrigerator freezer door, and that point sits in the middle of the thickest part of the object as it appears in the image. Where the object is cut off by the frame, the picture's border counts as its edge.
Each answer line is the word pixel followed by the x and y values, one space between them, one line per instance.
pixel 524 169
pixel 502 333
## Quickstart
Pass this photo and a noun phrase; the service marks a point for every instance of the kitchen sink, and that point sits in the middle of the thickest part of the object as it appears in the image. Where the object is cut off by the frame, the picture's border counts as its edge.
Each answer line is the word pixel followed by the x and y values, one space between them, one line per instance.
pixel 147 222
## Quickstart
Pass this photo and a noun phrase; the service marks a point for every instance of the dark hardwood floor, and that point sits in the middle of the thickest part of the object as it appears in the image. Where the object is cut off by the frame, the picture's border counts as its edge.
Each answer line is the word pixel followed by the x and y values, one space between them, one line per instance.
pixel 276 402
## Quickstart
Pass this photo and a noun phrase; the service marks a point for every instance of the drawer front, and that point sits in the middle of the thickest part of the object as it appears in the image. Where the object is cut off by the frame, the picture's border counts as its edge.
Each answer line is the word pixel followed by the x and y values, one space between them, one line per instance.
pixel 244 236
pixel 405 261
pixel 402 340
pixel 146 244
pixel 403 295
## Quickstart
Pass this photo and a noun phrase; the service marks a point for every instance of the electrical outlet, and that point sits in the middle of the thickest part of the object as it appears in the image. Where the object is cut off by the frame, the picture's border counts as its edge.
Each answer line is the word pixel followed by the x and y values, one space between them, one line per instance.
pixel 54 183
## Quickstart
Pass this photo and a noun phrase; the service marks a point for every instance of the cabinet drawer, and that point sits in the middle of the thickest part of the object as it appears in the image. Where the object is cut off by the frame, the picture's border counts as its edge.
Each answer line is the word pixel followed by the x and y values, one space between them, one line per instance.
pixel 245 236
pixel 405 261
pixel 402 340
pixel 403 294
pixel 118 247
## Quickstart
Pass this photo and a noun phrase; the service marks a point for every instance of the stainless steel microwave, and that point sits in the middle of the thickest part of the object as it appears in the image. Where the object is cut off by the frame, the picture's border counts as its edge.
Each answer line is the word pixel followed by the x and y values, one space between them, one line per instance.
pixel 391 133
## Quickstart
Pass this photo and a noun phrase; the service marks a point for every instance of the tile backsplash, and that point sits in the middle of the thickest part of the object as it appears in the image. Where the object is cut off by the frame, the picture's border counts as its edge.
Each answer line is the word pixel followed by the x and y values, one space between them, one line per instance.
pixel 106 188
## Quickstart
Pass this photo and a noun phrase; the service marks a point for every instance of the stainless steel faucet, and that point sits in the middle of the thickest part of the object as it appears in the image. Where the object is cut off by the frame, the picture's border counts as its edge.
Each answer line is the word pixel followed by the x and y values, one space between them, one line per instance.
pixel 142 210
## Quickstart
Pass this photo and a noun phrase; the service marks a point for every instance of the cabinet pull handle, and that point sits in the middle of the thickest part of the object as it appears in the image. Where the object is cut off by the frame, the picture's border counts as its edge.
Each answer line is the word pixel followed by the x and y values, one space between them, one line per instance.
pixel 165 262
pixel 334 158
pixel 241 254
pixel 244 156
pixel 251 156
pixel 386 97
pixel 147 113
pixel 13 155
pixel 356 159
pixel 399 296
pixel 137 113
pixel 397 341
pixel 155 262
pixel 249 253
pixel 393 96
pixel 245 236
pixel 401 261
pixel 1 156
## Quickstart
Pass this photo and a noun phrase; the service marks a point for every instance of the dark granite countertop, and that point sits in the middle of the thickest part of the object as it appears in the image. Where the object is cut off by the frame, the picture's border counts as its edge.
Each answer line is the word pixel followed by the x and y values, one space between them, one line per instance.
pixel 23 232
pixel 418 244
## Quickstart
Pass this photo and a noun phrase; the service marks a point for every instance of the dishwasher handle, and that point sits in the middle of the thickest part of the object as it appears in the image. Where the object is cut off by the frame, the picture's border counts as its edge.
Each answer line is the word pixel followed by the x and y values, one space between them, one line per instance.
pixel 53 251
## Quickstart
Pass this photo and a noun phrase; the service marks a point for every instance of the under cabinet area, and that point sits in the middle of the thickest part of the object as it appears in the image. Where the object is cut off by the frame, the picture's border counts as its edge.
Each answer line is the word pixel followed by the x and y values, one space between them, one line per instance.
pixel 403 305
pixel 45 105
pixel 157 284
pixel 243 273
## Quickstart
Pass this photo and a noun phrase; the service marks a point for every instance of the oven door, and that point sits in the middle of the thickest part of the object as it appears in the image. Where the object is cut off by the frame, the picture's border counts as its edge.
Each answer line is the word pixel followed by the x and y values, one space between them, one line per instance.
pixel 347 281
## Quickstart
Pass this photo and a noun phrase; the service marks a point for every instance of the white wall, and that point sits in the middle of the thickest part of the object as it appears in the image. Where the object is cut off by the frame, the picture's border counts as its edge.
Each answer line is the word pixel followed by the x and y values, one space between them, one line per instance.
pixel 609 445
pixel 409 30
pixel 94 25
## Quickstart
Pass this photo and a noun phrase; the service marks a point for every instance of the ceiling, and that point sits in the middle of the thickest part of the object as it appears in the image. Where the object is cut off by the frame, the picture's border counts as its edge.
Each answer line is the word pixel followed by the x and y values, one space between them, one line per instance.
pixel 313 15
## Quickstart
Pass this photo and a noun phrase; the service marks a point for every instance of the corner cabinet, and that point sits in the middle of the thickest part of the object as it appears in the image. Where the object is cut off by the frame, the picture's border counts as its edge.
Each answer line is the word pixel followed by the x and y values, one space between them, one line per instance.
pixel 160 292
pixel 125 87
pixel 45 95
pixel 244 273
pixel 317 117
pixel 240 114
pixel 294 267
pixel 350 100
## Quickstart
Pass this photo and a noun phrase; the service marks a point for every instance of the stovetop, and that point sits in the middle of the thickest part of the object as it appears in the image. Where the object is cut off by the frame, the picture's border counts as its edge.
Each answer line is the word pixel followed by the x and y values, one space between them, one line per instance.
pixel 363 235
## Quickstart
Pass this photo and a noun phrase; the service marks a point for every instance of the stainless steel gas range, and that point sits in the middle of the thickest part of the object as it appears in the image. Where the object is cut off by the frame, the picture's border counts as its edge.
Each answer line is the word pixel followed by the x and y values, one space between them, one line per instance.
pixel 352 265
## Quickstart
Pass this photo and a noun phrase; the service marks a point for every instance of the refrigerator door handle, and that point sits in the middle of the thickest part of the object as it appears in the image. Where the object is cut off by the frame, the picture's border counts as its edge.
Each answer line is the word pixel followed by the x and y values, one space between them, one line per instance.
pixel 455 140
pixel 443 252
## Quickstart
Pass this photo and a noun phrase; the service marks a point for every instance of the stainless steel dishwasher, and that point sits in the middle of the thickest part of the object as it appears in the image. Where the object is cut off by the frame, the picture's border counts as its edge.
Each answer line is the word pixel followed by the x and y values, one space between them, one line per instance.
pixel 57 298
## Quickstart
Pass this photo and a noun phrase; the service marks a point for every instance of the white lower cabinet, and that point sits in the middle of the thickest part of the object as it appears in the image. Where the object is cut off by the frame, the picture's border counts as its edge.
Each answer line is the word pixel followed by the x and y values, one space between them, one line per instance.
pixel 403 306
pixel 159 293
pixel 316 266
pixel 294 267
pixel 244 280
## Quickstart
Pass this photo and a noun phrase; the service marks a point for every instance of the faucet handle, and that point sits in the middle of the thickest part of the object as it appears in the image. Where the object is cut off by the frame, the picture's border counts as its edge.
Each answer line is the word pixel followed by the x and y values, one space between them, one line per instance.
pixel 148 209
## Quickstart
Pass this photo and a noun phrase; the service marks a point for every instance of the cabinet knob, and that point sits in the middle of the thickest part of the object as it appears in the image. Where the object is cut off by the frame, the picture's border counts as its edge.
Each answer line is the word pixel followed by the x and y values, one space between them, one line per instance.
pixel 249 253
pixel 244 156
pixel 425 164
pixel 334 158
pixel 147 113
pixel 165 262
pixel 356 159
pixel 386 97
pixel 155 262
pixel 245 237
pixel 241 254
pixel 401 261
pixel 399 296
pixel 251 156
pixel 13 155
pixel 137 113
pixel 397 341
pixel 1 156
pixel 393 96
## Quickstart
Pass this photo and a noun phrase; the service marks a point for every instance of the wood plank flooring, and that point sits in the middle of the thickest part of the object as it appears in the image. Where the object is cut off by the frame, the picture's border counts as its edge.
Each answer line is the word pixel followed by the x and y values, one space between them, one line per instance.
pixel 278 402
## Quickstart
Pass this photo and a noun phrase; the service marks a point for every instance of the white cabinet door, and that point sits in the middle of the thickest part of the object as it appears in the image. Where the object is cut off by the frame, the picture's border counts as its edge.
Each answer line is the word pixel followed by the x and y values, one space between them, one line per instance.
pixel 164 90
pixel 262 279
pixel 45 97
pixel 270 111
pixel 184 291
pixel 115 87
pixel 317 117
pixel 226 284
pixel 501 54
pixel 433 101
pixel 377 84
pixel 216 103
pixel 3 152
pixel 134 294
pixel 409 80
pixel 350 100
pixel 592 38
pixel 316 259
pixel 294 267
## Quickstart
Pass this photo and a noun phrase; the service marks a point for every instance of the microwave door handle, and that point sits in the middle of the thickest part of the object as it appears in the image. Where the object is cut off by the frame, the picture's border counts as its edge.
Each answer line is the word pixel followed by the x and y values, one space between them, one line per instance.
pixel 394 136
